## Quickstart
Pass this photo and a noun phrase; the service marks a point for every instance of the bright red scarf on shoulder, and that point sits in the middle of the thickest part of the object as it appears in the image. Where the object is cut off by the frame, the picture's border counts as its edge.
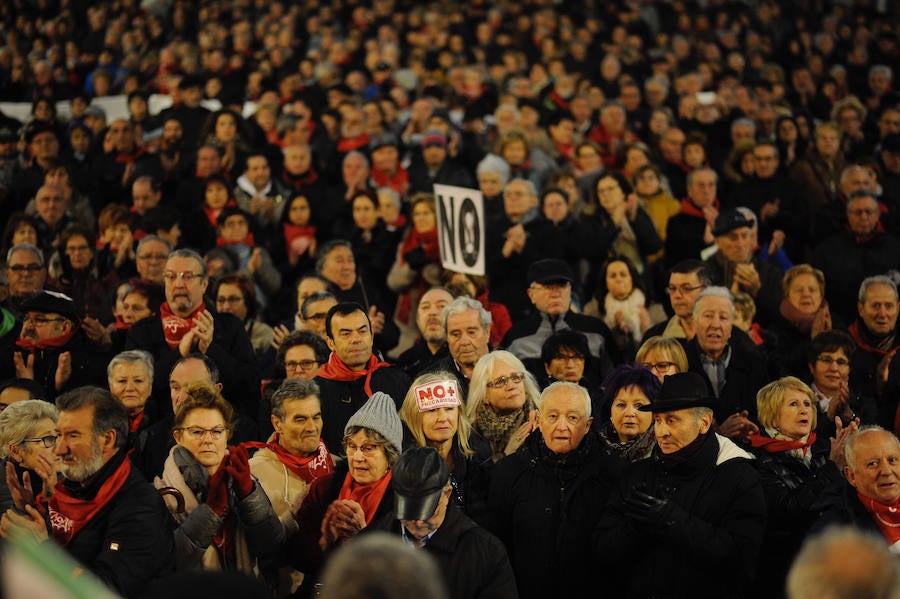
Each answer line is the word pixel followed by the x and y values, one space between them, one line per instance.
pixel 292 232
pixel 367 496
pixel 174 326
pixel 335 369
pixel 777 445
pixel 348 144
pixel 688 207
pixel 398 182
pixel 32 345
pixel 309 468
pixel 68 515
pixel 887 517
pixel 248 240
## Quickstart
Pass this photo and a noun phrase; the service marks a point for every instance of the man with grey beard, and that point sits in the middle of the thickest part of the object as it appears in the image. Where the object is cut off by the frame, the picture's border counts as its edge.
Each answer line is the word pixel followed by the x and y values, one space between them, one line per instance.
pixel 103 512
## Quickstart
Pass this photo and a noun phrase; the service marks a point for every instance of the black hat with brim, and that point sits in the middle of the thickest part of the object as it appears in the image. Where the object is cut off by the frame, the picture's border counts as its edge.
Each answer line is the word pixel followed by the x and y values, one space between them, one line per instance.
pixel 679 392
pixel 418 478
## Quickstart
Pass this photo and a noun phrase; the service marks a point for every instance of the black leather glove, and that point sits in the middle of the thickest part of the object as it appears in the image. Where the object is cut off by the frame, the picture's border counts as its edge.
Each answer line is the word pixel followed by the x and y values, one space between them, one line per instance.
pixel 416 258
pixel 645 508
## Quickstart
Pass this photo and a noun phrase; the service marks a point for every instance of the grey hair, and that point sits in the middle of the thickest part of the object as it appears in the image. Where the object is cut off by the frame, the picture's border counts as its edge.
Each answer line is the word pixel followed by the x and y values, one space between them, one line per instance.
pixel 528 184
pixel 318 296
pixel 883 69
pixel 574 388
pixel 875 280
pixel 492 163
pixel 293 389
pixel 391 193
pixel 192 254
pixel 130 356
pixel 743 121
pixel 714 291
pixel 25 246
pixel 356 153
pixel 850 443
pixel 463 303
pixel 481 375
pixel 702 169
pixel 327 247
pixel 148 238
pixel 849 170
pixel 19 421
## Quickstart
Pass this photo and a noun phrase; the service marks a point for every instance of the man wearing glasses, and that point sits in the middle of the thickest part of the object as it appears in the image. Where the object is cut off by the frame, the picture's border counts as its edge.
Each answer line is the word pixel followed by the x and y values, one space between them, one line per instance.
pixel 184 325
pixel 26 275
pixel 686 280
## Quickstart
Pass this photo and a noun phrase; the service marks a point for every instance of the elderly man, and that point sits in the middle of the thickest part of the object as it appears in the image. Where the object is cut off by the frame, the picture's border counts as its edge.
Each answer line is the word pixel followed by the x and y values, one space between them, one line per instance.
pixel 862 250
pixel 871 495
pixel 431 345
pixel 727 362
pixel 467 328
pixel 26 274
pixel 689 232
pixel 686 280
pixel 544 499
pixel 550 292
pixel 151 256
pixel 736 265
pixel 693 514
pixel 103 512
pixel 185 325
pixel 473 561
pixel 51 214
pixel 145 194
pixel 260 194
pixel 353 372
pixel 52 350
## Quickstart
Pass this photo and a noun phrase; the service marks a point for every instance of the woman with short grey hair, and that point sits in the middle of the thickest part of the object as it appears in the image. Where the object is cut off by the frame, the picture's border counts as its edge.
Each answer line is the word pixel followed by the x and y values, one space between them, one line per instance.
pixel 27 441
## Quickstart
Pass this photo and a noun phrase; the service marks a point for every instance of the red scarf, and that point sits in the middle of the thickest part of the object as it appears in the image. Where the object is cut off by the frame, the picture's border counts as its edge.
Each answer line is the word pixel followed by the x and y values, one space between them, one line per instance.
pixel 367 496
pixel 298 182
pixel 174 326
pixel 882 349
pixel 292 232
pixel 248 240
pixel 887 517
pixel 559 100
pixel 398 182
pixel 121 325
pixel 309 468
pixel 567 151
pixel 335 369
pixel 348 144
pixel 68 514
pixel 123 158
pixel 213 215
pixel 688 207
pixel 134 423
pixel 60 341
pixel 777 445
pixel 413 239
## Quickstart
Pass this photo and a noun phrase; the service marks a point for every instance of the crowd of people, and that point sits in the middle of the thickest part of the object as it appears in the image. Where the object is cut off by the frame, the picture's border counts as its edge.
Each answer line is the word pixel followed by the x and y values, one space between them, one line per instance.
pixel 229 342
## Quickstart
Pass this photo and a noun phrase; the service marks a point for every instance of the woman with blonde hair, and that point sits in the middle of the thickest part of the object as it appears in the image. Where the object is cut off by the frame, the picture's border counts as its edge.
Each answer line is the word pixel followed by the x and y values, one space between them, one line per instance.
pixel 662 356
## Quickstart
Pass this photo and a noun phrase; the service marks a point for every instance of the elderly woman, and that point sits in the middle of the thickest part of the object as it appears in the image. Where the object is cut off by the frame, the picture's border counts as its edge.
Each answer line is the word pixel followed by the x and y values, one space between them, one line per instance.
pixel 624 429
pixel 130 378
pixel 27 441
pixel 804 313
pixel 433 414
pixel 502 402
pixel 225 520
pixel 662 356
pixel 798 471
pixel 340 504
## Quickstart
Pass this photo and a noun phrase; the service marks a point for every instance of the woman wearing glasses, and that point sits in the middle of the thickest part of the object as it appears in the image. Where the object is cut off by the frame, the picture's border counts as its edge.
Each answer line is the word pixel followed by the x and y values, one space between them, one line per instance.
pixel 27 440
pixel 502 402
pixel 662 356
pixel 225 520
pixel 342 503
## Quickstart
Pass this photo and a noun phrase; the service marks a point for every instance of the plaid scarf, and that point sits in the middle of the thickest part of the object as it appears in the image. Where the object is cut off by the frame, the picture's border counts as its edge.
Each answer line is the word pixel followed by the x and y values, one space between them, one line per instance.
pixel 497 428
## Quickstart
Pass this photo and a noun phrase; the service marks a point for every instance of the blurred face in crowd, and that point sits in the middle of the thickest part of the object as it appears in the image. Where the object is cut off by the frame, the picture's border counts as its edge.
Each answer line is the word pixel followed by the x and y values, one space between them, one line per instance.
pixel 189 371
pixel 566 365
pixel 339 267
pixel 737 245
pixel 702 188
pixel 805 294
pixel 130 383
pixel 862 215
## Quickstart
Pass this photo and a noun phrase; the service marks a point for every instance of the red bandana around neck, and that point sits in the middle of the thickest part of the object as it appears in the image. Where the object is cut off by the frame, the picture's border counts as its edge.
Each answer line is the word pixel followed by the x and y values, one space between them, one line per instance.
pixel 59 341
pixel 336 370
pixel 68 514
pixel 688 207
pixel 777 445
pixel 367 496
pixel 886 516
pixel 309 468
pixel 176 327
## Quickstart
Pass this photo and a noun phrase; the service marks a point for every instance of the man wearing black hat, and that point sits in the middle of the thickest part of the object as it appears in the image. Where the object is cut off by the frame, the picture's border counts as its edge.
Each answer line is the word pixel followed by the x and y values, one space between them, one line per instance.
pixel 53 350
pixel 473 561
pixel 550 291
pixel 435 166
pixel 736 264
pixel 688 521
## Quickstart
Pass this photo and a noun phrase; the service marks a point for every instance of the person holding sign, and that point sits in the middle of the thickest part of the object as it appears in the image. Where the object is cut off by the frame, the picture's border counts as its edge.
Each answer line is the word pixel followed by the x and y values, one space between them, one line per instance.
pixel 433 414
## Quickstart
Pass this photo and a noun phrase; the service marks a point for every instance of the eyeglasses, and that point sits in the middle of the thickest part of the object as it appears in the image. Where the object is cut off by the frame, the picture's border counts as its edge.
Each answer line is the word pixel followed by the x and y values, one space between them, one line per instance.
pixel 683 290
pixel 551 286
pixel 186 277
pixel 40 322
pixel 567 357
pixel 829 360
pixel 153 257
pixel 48 440
pixel 231 299
pixel 368 450
pixel 659 366
pixel 501 381
pixel 19 268
pixel 197 433
pixel 301 364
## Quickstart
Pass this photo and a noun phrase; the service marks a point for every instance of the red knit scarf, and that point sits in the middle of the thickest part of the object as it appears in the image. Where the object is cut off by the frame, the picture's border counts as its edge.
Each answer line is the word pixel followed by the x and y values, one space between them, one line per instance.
pixel 567 151
pixel 887 517
pixel 367 496
pixel 32 345
pixel 68 514
pixel 292 232
pixel 307 468
pixel 134 423
pixel 777 445
pixel 688 207
pixel 174 326
pixel 348 144
pixel 398 181
pixel 121 325
pixel 335 369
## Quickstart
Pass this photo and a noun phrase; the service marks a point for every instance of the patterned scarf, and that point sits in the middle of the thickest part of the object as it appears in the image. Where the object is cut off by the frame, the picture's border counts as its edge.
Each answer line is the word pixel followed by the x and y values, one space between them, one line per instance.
pixel 887 517
pixel 632 450
pixel 308 468
pixel 367 496
pixel 776 443
pixel 34 344
pixel 497 428
pixel 174 326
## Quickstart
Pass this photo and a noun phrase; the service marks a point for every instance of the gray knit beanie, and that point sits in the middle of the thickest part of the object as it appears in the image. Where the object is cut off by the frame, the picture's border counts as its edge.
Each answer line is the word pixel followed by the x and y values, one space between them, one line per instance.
pixel 380 415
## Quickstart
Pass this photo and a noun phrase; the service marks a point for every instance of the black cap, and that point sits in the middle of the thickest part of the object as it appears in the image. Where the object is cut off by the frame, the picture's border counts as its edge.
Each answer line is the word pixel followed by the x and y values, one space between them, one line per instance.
pixel 188 81
pixel 379 141
pixel 681 391
pixel 37 128
pixel 51 302
pixel 891 143
pixel 729 220
pixel 418 478
pixel 550 270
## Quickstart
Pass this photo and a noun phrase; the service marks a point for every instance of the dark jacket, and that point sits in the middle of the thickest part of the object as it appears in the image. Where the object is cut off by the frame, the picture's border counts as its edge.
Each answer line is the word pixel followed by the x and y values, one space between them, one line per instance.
pixel 418 358
pixel 474 562
pixel 707 547
pixel 847 510
pixel 768 299
pixel 88 365
pixel 544 506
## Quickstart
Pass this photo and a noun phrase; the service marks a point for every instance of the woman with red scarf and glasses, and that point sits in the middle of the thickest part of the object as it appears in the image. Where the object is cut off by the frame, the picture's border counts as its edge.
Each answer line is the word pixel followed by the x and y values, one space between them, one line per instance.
pixel 799 473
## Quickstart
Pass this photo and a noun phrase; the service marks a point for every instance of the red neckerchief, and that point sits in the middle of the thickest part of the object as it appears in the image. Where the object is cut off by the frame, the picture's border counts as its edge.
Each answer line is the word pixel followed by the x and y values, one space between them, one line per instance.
pixel 348 144
pixel 857 335
pixel 367 496
pixel 213 215
pixel 398 182
pixel 174 326
pixel 517 169
pixel 877 232
pixel 309 468
pixel 887 517
pixel 134 423
pixel 123 158
pixel 566 150
pixel 292 232
pixel 68 514
pixel 61 340
pixel 777 445
pixel 559 100
pixel 428 241
pixel 335 369
pixel 248 240
pixel 755 333
pixel 688 207
pixel 121 325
